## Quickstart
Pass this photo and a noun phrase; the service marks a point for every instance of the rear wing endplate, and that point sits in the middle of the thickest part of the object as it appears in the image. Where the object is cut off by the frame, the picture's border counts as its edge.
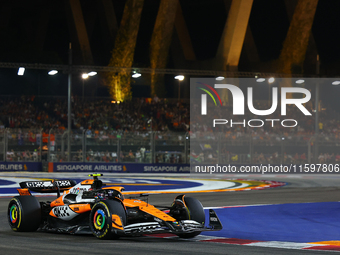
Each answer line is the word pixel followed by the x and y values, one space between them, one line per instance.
pixel 48 186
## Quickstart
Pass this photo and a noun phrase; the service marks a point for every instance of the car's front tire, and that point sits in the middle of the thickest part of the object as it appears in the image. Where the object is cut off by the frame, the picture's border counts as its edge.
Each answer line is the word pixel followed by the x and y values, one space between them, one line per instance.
pixel 192 210
pixel 101 219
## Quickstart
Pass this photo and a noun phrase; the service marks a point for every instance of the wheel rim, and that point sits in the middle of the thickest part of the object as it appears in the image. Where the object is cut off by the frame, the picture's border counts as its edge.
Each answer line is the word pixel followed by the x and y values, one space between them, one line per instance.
pixel 99 219
pixel 13 214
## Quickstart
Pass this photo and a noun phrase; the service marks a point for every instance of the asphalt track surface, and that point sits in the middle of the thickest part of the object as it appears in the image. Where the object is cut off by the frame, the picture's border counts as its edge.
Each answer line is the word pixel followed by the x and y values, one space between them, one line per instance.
pixel 298 190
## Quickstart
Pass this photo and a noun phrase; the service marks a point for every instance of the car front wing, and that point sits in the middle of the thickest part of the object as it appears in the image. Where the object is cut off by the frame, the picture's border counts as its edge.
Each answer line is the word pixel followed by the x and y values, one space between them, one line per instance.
pixel 180 227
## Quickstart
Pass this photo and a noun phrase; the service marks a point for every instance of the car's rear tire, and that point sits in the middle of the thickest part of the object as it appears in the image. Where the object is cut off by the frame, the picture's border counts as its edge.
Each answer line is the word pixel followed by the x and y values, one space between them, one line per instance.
pixel 24 213
pixel 195 212
pixel 101 219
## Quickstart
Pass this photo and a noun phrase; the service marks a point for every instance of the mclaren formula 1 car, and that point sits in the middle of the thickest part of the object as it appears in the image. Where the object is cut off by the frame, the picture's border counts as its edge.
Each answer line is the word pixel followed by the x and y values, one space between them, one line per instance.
pixel 91 207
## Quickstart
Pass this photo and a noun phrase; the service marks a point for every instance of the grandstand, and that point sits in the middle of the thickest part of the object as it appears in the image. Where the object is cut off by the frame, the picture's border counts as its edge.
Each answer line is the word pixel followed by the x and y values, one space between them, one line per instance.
pixel 145 130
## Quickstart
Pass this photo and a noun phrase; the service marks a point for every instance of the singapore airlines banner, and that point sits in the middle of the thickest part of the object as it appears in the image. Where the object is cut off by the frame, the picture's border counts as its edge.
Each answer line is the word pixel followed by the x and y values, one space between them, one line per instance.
pixel 94 167
pixel 118 168
pixel 20 166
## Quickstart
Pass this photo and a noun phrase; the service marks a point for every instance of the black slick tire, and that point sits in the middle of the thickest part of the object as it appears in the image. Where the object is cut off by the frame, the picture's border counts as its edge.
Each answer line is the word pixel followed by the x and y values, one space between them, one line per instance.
pixel 195 212
pixel 24 213
pixel 101 219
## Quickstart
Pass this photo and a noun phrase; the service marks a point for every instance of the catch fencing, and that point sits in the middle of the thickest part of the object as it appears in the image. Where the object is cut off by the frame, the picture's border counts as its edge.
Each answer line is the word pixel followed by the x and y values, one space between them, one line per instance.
pixel 107 146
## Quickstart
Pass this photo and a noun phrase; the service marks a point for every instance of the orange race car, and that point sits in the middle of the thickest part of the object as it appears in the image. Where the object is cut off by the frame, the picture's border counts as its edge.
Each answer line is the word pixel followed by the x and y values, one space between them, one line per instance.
pixel 90 207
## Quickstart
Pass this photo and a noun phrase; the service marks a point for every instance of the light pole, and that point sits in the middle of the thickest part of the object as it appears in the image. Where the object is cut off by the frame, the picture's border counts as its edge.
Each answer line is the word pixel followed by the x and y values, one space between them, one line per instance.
pixel 179 78
pixel 84 76
pixel 69 103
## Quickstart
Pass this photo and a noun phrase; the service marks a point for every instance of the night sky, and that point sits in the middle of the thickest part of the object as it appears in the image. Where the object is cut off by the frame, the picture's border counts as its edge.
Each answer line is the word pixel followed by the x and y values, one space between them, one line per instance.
pixel 269 24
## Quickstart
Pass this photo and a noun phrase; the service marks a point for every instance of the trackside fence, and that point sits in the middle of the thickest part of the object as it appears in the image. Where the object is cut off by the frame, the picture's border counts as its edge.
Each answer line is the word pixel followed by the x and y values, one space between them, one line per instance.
pixel 106 146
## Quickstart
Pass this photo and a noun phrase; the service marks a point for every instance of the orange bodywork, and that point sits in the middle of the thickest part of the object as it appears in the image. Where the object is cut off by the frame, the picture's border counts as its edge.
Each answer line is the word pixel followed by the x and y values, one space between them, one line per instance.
pixel 118 188
pixel 150 209
pixel 80 208
pixel 24 192
pixel 77 208
pixel 52 214
pixel 58 202
pixel 87 182
pixel 117 222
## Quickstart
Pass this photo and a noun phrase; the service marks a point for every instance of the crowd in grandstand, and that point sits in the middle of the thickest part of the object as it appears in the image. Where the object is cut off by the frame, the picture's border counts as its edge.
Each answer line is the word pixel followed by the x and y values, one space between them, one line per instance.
pixel 104 118
pixel 136 115
pixel 329 121
pixel 144 114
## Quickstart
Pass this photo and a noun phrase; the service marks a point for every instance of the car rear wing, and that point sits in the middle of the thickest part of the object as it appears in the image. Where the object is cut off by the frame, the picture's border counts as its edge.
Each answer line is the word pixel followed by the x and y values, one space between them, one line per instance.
pixel 48 186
